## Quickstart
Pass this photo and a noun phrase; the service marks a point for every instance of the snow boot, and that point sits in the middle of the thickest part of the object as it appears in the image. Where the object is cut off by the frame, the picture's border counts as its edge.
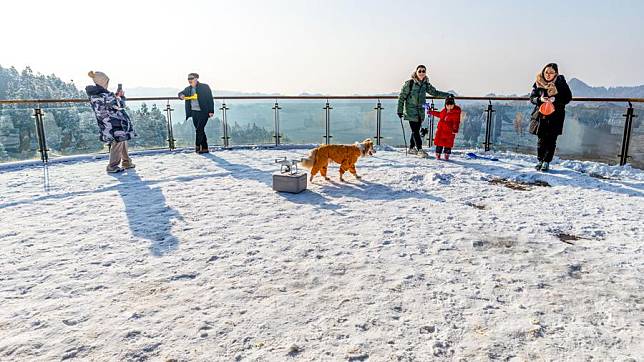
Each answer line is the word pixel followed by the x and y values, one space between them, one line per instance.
pixel 422 154
pixel 447 157
pixel 114 169
pixel 127 165
pixel 538 166
pixel 413 151
pixel 545 167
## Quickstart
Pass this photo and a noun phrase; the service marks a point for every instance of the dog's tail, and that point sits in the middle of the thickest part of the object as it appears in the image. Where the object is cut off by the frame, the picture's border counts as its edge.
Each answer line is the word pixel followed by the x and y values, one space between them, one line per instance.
pixel 309 161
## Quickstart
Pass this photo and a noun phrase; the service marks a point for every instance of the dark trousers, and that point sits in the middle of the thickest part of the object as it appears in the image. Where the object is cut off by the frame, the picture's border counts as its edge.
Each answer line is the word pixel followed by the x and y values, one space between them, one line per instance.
pixel 546 147
pixel 416 141
pixel 200 119
pixel 445 150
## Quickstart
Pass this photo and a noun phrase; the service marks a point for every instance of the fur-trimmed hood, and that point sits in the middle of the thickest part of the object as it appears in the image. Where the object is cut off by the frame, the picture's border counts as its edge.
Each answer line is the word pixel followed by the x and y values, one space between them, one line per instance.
pixel 414 76
pixel 541 82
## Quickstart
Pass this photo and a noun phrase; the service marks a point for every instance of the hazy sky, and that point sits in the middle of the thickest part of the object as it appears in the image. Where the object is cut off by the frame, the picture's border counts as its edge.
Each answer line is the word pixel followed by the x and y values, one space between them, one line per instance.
pixel 332 46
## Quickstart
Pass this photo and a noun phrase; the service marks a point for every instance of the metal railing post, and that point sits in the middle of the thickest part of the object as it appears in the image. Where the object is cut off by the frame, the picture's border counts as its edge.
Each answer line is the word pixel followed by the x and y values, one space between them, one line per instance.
pixel 327 111
pixel 378 109
pixel 40 130
pixel 276 119
pixel 626 139
pixel 488 126
pixel 224 124
pixel 430 133
pixel 168 114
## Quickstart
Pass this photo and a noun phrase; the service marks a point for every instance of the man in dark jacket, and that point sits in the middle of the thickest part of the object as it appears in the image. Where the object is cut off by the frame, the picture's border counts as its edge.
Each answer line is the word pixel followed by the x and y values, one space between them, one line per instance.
pixel 200 106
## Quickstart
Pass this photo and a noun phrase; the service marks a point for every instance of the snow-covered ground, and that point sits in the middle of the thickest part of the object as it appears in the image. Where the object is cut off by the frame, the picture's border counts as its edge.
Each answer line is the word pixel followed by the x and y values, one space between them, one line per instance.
pixel 195 258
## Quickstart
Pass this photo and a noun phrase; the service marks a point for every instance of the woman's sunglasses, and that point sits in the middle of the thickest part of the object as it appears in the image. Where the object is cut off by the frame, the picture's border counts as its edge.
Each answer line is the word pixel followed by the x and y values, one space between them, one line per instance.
pixel 422 71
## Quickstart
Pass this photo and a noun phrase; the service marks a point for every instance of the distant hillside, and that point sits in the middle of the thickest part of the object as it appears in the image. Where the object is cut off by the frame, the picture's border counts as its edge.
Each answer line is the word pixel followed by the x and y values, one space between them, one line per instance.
pixel 581 89
pixel 168 92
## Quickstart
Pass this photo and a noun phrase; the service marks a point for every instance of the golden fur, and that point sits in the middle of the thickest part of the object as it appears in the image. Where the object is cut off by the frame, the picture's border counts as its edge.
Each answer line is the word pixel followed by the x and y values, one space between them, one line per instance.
pixel 345 155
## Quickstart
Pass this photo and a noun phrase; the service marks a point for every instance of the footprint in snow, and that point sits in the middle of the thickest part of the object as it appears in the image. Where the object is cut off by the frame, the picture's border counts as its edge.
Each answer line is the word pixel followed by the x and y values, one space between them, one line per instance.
pixel 443 178
pixel 416 178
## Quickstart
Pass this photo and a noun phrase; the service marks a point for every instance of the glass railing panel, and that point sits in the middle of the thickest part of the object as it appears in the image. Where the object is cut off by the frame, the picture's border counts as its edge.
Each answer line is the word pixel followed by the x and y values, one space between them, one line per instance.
pixel 18 137
pixel 250 122
pixel 302 121
pixel 353 120
pixel 71 129
pixel 510 127
pixel 636 148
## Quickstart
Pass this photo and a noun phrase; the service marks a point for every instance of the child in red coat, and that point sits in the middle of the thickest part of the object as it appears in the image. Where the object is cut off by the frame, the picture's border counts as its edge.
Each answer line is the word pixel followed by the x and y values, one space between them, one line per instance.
pixel 449 121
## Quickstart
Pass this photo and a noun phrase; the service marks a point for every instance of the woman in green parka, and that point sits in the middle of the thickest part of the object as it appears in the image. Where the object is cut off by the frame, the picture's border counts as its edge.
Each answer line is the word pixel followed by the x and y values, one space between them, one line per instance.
pixel 410 105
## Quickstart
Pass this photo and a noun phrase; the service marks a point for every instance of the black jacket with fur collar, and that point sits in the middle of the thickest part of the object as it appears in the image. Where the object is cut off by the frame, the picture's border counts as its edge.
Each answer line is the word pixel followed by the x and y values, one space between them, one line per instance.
pixel 552 124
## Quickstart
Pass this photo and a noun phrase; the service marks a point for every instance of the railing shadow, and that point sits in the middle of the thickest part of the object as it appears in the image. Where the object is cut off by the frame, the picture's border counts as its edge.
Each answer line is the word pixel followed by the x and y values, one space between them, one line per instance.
pixel 363 189
pixel 308 197
pixel 245 172
pixel 367 190
pixel 241 171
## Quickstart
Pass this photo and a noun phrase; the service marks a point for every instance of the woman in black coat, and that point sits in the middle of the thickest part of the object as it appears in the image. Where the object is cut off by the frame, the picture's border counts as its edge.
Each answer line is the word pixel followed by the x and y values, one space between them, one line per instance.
pixel 550 86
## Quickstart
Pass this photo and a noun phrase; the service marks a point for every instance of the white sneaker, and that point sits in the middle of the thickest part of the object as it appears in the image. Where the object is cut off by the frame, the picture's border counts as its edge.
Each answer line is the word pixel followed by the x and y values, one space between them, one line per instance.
pixel 413 151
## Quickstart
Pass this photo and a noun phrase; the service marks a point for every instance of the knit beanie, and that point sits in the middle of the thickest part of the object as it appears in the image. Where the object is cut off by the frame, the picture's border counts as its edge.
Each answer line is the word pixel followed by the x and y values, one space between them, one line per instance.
pixel 99 78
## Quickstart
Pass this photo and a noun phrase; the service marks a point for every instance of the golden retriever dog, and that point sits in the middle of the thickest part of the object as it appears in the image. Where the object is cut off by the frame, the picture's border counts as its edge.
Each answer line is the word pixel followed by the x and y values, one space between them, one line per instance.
pixel 345 155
